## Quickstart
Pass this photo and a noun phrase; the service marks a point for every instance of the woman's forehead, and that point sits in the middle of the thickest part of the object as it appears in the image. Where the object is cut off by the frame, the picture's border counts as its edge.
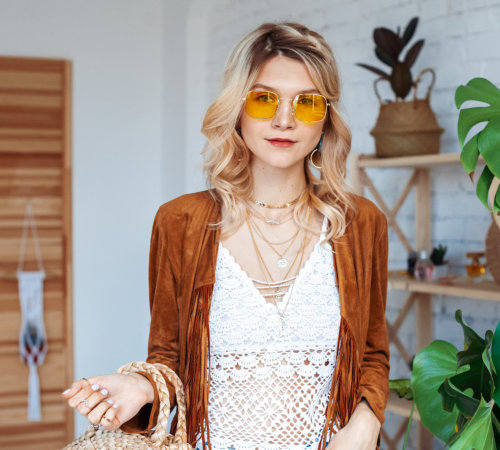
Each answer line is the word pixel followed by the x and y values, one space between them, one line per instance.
pixel 277 90
pixel 285 75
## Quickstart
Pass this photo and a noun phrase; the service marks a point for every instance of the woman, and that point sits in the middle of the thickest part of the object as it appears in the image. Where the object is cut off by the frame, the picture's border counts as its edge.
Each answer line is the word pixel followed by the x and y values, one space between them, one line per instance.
pixel 279 343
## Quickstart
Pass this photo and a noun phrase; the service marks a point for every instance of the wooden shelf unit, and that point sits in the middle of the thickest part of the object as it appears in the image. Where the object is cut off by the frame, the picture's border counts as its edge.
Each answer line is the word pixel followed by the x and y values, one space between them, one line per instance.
pixel 420 293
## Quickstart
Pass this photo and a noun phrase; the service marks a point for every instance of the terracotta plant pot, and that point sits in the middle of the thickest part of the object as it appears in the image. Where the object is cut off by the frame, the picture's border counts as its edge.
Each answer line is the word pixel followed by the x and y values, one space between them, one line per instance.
pixel 407 128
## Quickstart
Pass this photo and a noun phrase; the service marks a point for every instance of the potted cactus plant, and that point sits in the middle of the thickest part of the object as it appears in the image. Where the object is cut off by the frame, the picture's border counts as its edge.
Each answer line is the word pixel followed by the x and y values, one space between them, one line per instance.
pixel 403 127
pixel 440 264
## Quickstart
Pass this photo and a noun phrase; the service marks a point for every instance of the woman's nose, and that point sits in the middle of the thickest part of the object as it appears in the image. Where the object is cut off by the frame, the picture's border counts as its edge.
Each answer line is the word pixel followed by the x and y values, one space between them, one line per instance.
pixel 284 117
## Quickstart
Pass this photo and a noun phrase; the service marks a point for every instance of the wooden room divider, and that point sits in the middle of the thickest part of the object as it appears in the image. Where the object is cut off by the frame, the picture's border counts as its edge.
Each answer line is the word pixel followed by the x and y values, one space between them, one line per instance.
pixel 35 168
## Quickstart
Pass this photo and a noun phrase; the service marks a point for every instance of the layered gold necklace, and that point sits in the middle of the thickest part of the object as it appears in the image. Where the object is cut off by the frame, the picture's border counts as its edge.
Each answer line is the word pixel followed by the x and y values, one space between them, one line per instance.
pixel 272 289
pixel 276 290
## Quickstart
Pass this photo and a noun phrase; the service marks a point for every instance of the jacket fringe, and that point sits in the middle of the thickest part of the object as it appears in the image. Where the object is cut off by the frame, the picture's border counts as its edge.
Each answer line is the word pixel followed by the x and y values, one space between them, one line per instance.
pixel 198 380
pixel 345 383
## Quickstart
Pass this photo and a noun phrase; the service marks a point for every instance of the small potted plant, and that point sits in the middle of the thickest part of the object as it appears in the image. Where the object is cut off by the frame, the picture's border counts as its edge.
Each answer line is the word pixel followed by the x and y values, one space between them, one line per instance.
pixel 440 265
pixel 403 127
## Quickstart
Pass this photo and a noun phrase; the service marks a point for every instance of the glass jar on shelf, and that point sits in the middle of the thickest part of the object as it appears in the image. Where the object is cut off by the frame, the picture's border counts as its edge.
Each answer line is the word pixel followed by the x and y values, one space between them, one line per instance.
pixel 475 270
pixel 424 268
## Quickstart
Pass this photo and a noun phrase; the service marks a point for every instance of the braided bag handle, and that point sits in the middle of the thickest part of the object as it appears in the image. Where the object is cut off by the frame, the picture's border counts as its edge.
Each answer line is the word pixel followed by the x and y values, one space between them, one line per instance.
pixel 157 371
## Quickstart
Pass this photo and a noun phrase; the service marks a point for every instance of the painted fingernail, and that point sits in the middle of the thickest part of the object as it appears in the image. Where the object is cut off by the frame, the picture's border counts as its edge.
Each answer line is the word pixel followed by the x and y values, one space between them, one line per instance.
pixel 110 401
pixel 115 405
pixel 104 392
pixel 95 387
pixel 66 391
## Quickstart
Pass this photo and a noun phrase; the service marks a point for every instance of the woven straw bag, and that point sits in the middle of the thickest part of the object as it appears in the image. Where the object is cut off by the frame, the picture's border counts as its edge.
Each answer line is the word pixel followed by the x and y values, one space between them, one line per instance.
pixel 159 438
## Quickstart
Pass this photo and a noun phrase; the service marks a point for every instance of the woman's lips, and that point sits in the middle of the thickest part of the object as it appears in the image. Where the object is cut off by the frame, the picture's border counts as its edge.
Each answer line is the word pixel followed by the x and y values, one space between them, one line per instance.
pixel 278 142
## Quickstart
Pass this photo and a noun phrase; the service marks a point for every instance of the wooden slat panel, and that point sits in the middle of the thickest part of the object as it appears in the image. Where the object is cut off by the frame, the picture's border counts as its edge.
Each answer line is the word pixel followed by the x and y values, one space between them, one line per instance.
pixel 12 173
pixel 47 222
pixel 52 296
pixel 30 182
pixel 50 119
pixel 15 415
pixel 41 206
pixel 10 323
pixel 53 101
pixel 15 378
pixel 19 398
pixel 36 435
pixel 52 249
pixel 30 145
pixel 35 165
pixel 11 349
pixel 32 132
pixel 12 79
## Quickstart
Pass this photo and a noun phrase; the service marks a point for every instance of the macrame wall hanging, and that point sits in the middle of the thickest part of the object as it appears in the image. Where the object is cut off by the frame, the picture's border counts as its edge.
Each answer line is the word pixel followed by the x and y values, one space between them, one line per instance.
pixel 32 337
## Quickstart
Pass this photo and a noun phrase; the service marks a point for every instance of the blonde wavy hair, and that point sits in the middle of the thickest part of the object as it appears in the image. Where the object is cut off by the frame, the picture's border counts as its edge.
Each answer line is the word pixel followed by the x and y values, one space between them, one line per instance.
pixel 227 158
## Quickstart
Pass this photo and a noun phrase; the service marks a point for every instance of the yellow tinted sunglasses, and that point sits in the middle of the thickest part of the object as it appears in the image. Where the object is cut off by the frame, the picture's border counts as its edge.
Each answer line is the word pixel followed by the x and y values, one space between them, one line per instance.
pixel 306 107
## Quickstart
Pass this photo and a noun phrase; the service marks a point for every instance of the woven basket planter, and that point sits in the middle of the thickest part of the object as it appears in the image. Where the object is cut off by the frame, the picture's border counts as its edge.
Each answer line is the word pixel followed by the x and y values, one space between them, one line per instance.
pixel 406 128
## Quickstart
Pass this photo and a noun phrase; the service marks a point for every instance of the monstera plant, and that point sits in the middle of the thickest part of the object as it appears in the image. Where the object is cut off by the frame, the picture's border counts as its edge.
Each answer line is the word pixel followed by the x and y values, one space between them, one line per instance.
pixel 457 393
pixel 486 143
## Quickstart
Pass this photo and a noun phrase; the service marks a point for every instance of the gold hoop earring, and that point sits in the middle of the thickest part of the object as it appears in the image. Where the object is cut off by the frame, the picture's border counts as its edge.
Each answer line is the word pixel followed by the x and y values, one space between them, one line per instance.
pixel 311 158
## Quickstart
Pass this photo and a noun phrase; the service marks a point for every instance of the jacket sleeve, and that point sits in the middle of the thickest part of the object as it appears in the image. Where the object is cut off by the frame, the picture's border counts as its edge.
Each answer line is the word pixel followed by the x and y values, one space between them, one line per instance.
pixel 163 345
pixel 374 382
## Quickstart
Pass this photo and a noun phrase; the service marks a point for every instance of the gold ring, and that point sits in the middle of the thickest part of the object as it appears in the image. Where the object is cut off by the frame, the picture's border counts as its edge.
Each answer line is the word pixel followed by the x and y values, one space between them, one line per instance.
pixel 86 403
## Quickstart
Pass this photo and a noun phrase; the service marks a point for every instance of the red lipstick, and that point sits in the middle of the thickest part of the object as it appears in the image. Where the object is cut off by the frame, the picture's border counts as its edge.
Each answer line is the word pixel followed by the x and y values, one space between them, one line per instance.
pixel 280 142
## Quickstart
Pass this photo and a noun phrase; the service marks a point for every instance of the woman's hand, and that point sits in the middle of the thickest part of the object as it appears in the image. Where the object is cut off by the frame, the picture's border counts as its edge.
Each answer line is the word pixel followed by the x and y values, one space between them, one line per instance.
pixel 110 400
pixel 361 433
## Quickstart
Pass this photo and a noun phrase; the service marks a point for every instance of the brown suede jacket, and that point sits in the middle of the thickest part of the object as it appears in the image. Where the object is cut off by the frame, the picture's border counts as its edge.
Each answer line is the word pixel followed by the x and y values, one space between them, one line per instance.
pixel 182 272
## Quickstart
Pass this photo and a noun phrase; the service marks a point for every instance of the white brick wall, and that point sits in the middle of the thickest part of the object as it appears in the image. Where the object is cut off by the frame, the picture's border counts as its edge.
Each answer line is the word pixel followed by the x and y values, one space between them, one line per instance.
pixel 460 44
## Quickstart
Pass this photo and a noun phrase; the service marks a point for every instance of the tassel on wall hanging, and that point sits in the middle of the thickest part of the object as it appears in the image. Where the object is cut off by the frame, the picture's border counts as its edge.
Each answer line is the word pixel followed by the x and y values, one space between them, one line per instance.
pixel 32 337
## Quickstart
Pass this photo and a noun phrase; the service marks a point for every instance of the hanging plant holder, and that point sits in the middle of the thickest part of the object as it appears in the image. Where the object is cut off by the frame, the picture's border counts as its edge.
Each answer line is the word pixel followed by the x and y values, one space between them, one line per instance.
pixel 406 128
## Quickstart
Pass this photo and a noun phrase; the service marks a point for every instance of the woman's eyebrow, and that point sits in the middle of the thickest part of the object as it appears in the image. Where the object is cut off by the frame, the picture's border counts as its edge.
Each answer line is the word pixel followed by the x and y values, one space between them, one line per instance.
pixel 269 88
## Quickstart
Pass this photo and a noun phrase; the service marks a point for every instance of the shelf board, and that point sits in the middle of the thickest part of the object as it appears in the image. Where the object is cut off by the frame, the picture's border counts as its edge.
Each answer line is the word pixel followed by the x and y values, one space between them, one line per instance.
pixel 458 287
pixel 401 406
pixel 439 159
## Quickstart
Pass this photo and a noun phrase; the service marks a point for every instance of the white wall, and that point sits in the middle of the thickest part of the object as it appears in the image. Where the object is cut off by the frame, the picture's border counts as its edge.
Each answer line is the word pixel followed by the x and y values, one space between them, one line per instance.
pixel 117 51
pixel 461 43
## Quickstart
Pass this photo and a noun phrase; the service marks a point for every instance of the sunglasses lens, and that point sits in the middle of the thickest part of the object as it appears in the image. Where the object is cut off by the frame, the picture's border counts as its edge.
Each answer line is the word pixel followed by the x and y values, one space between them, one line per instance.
pixel 261 104
pixel 310 107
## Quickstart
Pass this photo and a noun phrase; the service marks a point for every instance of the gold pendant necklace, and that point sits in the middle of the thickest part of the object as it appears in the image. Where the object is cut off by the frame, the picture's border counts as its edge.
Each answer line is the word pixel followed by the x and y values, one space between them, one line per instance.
pixel 282 261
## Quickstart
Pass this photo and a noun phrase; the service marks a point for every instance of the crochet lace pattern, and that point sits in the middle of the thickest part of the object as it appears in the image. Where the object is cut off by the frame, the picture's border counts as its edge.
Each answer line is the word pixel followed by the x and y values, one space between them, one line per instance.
pixel 270 390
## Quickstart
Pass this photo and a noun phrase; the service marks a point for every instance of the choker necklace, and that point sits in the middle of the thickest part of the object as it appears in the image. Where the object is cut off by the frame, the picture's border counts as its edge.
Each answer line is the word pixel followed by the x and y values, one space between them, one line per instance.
pixel 282 206
pixel 269 221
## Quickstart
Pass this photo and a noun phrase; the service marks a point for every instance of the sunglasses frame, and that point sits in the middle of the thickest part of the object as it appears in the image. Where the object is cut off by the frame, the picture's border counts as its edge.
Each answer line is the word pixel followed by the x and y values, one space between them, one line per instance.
pixel 244 99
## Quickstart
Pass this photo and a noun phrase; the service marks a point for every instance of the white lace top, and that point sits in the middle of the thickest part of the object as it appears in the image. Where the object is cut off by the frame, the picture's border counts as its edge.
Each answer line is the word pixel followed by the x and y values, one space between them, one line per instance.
pixel 268 389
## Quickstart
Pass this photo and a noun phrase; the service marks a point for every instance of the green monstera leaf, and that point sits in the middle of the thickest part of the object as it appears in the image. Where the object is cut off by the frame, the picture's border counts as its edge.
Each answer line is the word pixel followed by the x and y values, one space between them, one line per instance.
pixel 481 373
pixel 431 366
pixel 402 387
pixel 478 433
pixel 487 141
pixel 495 356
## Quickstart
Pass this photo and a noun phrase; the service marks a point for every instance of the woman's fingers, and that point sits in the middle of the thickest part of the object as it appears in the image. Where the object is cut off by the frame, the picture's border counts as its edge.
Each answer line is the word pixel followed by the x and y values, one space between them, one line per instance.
pixel 76 387
pixel 87 398
pixel 109 420
pixel 97 414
